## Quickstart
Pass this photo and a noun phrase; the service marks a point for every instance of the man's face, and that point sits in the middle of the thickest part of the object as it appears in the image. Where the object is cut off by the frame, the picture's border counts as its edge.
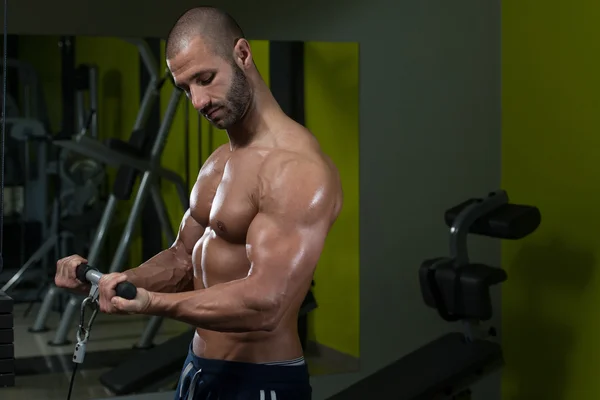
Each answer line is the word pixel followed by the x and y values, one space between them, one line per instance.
pixel 218 88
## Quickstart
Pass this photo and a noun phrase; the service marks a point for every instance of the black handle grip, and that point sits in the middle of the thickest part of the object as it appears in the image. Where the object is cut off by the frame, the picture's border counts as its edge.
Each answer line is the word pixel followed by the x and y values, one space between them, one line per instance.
pixel 80 272
pixel 126 290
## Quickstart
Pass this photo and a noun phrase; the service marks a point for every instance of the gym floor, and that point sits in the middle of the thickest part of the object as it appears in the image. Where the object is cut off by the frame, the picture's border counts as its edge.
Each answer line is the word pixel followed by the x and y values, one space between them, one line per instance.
pixel 44 371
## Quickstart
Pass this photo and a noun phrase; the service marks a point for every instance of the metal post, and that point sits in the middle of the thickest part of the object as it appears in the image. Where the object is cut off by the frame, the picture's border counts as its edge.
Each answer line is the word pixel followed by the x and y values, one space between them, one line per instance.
pixel 94 129
pixel 163 214
pixel 147 338
pixel 27 186
pixel 102 230
pixel 80 110
pixel 151 238
pixel 37 256
pixel 39 325
pixel 154 324
pixel 136 209
pixel 165 127
pixel 67 48
pixel 152 66
pixel 182 193
pixel 458 242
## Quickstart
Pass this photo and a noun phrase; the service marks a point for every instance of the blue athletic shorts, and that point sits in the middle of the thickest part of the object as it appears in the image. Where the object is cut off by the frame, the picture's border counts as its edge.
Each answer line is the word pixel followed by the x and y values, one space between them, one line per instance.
pixel 207 379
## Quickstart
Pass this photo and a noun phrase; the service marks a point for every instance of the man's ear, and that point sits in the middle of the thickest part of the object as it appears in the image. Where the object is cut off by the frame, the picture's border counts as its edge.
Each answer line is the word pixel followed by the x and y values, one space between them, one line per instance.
pixel 242 54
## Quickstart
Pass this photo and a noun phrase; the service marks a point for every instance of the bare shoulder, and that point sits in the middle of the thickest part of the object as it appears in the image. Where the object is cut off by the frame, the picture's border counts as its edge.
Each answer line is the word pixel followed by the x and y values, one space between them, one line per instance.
pixel 303 181
pixel 215 161
pixel 212 167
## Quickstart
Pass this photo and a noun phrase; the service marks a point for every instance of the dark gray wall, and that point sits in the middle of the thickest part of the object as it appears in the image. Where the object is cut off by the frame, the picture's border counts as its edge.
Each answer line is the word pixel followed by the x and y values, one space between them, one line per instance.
pixel 430 130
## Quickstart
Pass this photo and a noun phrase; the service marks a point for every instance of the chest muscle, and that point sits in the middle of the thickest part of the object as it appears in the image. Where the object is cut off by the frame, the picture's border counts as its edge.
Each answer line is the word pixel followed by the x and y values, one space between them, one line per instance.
pixel 225 199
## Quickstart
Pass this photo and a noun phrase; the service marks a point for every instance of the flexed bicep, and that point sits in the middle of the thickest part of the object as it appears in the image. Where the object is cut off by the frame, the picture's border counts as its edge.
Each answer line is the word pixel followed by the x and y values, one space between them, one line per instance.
pixel 287 236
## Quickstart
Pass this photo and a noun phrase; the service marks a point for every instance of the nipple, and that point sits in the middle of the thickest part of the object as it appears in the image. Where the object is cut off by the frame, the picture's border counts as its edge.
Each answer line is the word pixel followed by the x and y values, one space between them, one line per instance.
pixel 221 226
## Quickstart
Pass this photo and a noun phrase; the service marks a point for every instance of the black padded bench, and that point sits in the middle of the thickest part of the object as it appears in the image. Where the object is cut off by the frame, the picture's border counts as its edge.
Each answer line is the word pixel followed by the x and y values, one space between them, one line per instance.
pixel 435 371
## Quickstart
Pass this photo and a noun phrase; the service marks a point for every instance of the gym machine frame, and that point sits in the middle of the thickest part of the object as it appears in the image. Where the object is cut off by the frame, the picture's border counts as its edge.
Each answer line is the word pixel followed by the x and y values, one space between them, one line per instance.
pixel 460 291
pixel 26 122
pixel 31 128
pixel 151 170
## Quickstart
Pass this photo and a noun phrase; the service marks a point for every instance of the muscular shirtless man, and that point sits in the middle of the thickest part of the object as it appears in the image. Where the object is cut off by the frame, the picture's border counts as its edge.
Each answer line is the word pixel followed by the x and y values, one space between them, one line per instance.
pixel 247 248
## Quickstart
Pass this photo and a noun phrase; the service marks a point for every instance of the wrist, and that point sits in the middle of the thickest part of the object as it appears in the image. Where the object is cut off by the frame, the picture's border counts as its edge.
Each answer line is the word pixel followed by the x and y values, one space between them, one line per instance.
pixel 151 307
pixel 130 277
pixel 156 304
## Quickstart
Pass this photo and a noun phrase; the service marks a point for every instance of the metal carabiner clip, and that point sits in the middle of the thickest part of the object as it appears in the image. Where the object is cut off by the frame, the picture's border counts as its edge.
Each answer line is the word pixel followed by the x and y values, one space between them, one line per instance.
pixel 83 329
pixel 83 333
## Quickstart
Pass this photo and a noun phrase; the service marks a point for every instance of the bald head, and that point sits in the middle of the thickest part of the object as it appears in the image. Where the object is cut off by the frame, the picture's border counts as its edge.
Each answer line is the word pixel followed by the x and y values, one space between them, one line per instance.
pixel 215 27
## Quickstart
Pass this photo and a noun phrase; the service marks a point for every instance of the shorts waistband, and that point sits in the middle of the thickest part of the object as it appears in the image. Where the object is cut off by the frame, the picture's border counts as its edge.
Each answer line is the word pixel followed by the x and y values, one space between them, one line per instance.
pixel 251 371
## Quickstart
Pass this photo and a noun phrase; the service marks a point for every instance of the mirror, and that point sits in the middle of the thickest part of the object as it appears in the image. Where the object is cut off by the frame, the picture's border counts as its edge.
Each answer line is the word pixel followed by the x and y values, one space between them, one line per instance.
pixel 79 103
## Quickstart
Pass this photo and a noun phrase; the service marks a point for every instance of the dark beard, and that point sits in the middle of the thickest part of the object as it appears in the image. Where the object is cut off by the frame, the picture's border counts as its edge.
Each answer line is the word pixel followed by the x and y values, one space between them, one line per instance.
pixel 236 101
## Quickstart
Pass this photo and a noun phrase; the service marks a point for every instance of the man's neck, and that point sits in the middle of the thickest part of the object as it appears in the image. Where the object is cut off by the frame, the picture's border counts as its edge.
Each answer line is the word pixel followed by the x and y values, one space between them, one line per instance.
pixel 262 112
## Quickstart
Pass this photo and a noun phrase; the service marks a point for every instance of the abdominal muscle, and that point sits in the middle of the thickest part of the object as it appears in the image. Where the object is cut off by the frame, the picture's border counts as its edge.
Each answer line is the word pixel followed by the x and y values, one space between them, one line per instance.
pixel 218 261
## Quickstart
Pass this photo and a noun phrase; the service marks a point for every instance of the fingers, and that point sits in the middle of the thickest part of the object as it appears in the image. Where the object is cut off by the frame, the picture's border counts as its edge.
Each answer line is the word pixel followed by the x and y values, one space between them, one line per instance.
pixel 119 303
pixel 135 306
pixel 66 276
pixel 122 306
pixel 107 290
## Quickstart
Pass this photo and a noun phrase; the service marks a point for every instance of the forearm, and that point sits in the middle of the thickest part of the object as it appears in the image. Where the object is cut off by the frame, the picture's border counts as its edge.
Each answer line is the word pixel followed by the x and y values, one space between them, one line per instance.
pixel 167 272
pixel 236 306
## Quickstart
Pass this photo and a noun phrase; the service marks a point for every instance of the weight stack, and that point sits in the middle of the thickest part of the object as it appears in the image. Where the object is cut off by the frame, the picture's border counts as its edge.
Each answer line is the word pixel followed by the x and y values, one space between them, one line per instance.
pixel 7 342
